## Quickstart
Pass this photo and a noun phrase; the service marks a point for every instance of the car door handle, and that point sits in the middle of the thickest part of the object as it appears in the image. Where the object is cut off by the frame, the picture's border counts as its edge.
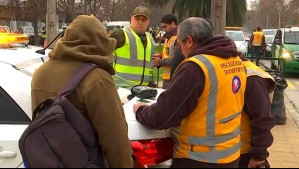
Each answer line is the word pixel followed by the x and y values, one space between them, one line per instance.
pixel 8 154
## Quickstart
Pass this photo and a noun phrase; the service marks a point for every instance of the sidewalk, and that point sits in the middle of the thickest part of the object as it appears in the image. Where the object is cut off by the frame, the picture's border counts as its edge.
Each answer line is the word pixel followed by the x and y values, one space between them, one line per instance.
pixel 284 152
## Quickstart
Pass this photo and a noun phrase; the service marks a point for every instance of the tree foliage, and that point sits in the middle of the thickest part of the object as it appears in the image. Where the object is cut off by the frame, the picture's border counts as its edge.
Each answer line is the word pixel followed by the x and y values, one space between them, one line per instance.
pixel 236 9
pixel 271 13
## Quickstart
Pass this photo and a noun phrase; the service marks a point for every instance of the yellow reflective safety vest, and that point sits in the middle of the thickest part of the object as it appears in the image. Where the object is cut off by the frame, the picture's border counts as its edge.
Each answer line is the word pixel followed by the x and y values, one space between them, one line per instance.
pixel 132 60
pixel 211 133
pixel 257 38
pixel 246 130
pixel 168 52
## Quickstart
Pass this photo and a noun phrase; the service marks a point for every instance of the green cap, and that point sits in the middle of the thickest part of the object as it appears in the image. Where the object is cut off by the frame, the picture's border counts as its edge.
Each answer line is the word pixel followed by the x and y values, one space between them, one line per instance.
pixel 141 10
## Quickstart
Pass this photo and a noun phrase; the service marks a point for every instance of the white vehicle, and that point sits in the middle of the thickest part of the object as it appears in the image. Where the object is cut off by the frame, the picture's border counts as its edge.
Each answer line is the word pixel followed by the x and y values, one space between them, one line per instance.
pixel 17 66
pixel 117 24
pixel 237 35
pixel 269 38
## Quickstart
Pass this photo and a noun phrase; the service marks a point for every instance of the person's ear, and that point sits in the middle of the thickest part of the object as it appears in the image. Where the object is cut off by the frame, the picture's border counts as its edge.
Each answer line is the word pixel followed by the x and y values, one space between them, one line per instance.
pixel 189 41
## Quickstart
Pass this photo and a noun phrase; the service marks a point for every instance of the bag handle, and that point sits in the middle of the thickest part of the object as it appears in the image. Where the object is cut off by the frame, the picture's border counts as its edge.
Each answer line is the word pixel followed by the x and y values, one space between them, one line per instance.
pixel 76 78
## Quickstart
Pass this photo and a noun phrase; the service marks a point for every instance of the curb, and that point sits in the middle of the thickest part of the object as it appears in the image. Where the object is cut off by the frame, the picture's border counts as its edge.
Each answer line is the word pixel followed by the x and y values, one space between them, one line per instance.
pixel 292 109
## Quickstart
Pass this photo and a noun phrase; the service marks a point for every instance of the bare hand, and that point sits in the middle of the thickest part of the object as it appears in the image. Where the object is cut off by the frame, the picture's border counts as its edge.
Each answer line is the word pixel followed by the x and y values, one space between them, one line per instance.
pixel 157 55
pixel 156 61
pixel 253 163
pixel 137 105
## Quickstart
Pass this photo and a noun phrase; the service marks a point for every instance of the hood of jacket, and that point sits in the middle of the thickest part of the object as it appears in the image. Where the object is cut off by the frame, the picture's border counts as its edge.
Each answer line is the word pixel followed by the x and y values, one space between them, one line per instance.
pixel 221 46
pixel 85 40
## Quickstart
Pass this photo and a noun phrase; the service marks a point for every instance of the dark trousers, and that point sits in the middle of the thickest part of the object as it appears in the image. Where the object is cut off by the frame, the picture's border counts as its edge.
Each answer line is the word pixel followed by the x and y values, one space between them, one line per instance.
pixel 256 52
pixel 188 163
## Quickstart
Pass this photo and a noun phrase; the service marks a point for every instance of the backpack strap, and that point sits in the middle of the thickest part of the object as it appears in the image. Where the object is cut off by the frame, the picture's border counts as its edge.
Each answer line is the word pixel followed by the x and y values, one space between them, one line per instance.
pixel 76 78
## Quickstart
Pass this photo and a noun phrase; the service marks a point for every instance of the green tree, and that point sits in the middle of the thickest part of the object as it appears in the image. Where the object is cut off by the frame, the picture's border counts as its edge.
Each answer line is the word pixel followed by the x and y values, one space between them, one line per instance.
pixel 274 13
pixel 236 12
pixel 236 9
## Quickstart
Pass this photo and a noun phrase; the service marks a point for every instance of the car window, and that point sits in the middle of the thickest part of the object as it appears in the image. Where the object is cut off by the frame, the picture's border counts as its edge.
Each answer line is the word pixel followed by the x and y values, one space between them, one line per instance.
pixel 291 37
pixel 235 36
pixel 269 32
pixel 269 39
pixel 10 112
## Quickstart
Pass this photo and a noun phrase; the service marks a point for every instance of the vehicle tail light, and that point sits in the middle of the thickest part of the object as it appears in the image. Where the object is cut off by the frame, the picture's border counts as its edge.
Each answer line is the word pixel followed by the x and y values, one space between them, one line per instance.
pixel 151 152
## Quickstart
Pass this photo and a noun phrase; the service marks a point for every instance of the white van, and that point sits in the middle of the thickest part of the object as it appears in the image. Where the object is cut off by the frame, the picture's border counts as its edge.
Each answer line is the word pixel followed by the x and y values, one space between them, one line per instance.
pixel 117 24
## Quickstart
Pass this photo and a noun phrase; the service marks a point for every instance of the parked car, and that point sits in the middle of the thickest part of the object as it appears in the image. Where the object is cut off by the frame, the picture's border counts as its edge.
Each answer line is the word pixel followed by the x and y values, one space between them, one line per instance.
pixel 237 35
pixel 269 38
pixel 110 26
pixel 17 66
pixel 286 47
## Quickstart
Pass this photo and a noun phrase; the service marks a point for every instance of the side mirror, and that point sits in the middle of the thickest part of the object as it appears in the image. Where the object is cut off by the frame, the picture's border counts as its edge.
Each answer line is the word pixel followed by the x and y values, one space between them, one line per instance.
pixel 247 39
pixel 277 41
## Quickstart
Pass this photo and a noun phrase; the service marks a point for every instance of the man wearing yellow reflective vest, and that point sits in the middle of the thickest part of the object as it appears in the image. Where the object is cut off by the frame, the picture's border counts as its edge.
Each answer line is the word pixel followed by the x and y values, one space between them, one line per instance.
pixel 256 120
pixel 204 102
pixel 257 43
pixel 134 49
pixel 170 57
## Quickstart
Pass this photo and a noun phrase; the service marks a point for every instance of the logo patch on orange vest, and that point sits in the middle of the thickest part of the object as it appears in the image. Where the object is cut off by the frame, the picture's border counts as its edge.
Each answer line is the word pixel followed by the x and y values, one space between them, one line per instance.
pixel 236 84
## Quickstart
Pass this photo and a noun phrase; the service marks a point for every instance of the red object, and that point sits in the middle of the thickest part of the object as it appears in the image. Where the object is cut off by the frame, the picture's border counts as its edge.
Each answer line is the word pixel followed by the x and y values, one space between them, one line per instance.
pixel 151 152
pixel 45 43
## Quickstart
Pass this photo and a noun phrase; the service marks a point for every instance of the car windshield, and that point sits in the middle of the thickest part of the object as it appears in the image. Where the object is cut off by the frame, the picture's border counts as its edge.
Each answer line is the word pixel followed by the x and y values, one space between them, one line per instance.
pixel 269 32
pixel 235 36
pixel 291 37
pixel 113 27
pixel 269 39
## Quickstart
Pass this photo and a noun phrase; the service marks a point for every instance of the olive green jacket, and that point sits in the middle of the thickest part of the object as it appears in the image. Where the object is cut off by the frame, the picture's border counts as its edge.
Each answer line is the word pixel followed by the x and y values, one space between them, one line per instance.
pixel 96 96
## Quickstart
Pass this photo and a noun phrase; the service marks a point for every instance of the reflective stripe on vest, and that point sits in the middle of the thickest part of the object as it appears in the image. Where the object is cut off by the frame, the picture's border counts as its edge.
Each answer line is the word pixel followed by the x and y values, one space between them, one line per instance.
pixel 246 130
pixel 130 58
pixel 211 133
pixel 257 38
pixel 168 51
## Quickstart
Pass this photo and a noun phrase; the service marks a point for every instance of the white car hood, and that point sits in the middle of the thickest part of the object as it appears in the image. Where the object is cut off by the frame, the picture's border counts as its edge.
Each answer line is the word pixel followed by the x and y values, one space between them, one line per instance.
pixel 20 54
pixel 136 130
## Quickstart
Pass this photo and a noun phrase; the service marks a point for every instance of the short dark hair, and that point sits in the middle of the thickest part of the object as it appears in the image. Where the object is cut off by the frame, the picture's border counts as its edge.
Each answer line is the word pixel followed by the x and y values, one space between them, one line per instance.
pixel 169 18
pixel 258 28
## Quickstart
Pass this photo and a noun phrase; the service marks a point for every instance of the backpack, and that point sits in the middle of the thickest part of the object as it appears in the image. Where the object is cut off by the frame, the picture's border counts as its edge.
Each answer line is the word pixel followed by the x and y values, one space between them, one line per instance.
pixel 60 136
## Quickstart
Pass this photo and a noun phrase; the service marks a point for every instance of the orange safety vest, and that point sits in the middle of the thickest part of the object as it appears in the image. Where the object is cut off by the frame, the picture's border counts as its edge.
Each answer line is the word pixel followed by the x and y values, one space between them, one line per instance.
pixel 257 38
pixel 168 51
pixel 211 133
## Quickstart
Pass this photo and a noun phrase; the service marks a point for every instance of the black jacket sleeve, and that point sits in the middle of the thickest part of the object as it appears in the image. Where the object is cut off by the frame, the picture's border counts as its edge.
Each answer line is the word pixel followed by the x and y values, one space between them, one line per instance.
pixel 177 102
pixel 119 35
pixel 258 107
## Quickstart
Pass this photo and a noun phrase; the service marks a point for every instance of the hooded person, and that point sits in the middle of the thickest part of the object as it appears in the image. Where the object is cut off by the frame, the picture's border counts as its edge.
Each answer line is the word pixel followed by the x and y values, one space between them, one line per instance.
pixel 96 95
